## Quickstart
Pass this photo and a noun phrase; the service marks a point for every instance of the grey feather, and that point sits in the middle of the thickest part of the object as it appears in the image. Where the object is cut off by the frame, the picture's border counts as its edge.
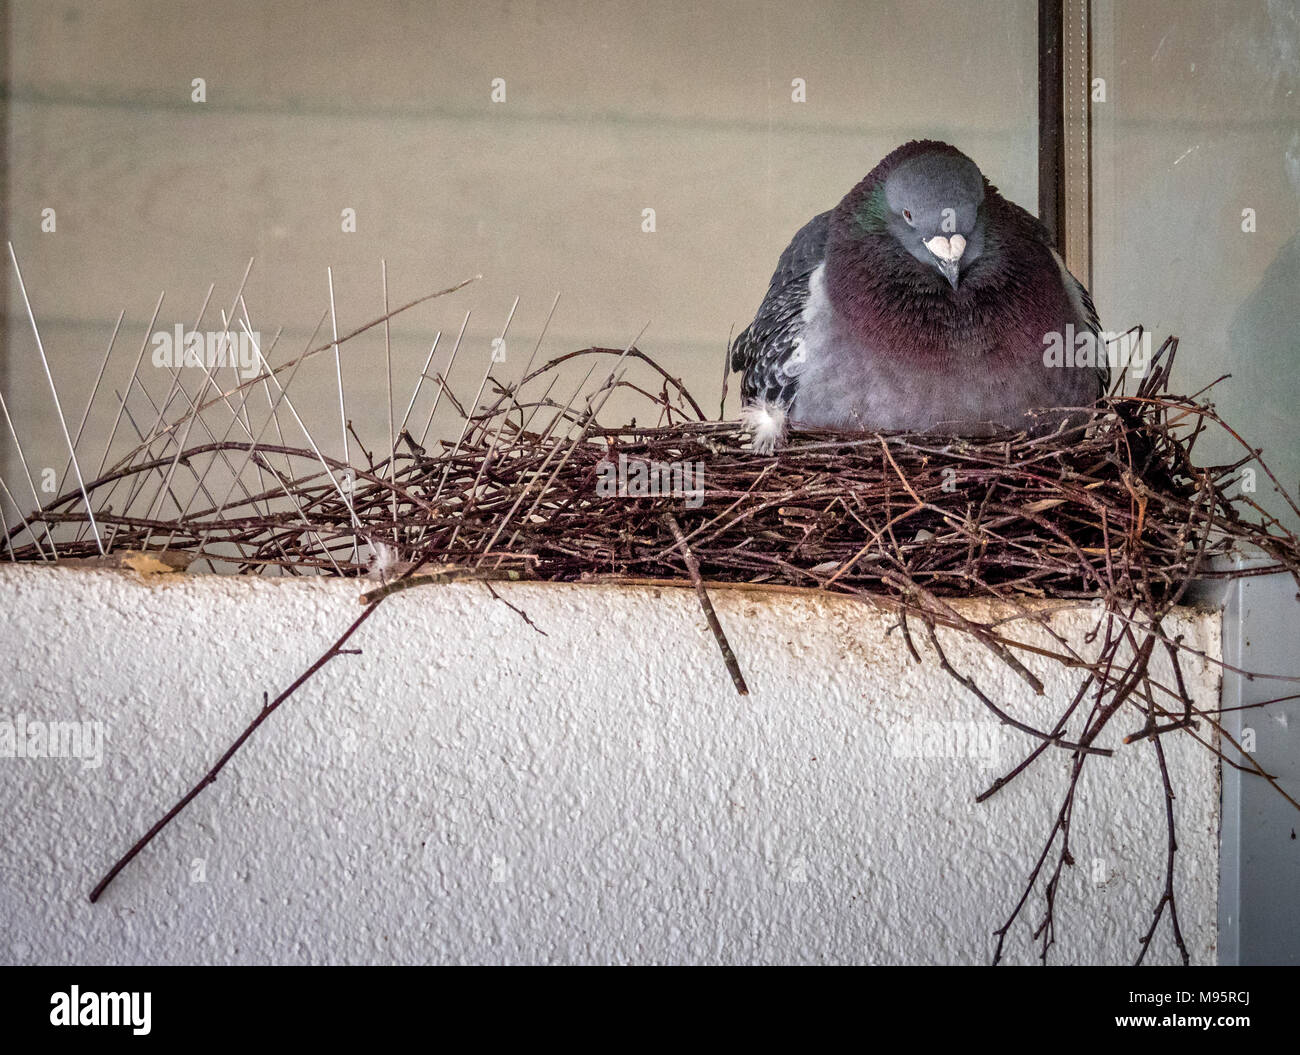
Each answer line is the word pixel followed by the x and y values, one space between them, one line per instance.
pixel 763 350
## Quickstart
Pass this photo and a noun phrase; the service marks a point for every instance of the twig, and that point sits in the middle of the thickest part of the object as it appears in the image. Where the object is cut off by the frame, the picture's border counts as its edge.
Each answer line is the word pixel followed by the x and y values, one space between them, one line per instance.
pixel 710 616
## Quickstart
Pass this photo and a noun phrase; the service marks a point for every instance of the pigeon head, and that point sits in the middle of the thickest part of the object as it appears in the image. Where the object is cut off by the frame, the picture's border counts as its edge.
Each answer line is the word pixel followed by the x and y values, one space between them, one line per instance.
pixel 932 207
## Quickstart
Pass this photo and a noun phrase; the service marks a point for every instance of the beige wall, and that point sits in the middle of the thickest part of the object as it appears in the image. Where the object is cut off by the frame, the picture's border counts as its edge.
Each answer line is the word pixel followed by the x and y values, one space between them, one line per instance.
pixel 385 108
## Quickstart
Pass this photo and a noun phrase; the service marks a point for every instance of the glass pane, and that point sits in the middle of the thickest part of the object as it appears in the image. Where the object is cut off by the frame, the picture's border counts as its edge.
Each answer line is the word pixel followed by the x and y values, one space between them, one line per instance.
pixel 1197 196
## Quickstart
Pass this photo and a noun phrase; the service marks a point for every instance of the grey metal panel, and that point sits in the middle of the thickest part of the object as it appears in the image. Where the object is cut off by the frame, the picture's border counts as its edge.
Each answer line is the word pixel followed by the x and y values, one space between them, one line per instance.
pixel 1259 876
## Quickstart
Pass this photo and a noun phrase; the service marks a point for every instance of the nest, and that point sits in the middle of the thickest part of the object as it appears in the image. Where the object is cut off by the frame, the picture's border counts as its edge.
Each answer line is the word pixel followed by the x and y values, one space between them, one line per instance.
pixel 532 486
pixel 1116 509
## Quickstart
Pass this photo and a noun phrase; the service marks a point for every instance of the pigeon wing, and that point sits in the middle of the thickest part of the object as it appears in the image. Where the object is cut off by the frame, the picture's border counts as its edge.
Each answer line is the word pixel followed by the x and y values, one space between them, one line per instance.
pixel 763 350
pixel 1080 296
pixel 1085 310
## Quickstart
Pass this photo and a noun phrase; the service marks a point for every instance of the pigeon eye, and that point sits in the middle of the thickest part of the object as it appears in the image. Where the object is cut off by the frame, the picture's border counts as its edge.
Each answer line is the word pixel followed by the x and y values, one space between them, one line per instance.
pixel 907 215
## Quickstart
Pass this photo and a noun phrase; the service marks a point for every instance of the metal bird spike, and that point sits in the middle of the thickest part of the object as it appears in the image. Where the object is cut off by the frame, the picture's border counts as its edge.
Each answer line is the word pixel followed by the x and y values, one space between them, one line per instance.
pixel 131 381
pixel 443 378
pixel 419 381
pixel 94 389
pixel 4 526
pixel 388 377
pixel 347 499
pixel 550 453
pixel 58 406
pixel 338 366
pixel 171 392
pixel 27 472
pixel 185 421
pixel 35 539
pixel 273 416
pixel 470 414
pixel 555 448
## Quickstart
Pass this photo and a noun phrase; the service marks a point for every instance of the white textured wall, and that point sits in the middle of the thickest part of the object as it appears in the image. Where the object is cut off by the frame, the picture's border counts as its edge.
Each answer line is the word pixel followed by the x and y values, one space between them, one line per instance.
pixel 471 791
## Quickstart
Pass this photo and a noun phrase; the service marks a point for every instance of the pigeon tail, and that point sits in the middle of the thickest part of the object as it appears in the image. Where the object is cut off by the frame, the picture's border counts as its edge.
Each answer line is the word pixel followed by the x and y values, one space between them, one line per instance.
pixel 766 421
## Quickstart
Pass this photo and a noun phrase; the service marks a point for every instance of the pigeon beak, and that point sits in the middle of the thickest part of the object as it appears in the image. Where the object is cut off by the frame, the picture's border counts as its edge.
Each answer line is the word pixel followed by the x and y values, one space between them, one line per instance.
pixel 947 256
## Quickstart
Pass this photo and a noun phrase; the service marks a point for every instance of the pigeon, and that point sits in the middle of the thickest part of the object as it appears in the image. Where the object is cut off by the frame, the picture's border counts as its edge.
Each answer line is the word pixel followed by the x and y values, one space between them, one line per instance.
pixel 923 302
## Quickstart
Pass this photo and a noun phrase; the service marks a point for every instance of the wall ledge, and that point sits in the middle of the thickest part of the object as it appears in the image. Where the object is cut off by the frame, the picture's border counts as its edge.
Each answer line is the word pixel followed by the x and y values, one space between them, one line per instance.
pixel 471 790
